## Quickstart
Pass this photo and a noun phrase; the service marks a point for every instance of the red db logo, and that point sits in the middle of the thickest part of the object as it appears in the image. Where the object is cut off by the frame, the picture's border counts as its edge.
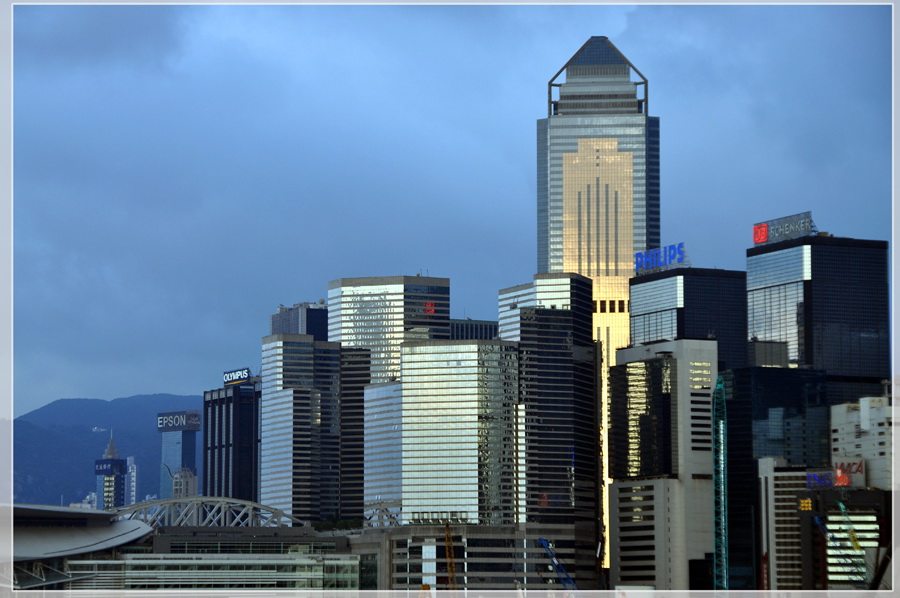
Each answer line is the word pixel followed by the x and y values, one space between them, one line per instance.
pixel 761 233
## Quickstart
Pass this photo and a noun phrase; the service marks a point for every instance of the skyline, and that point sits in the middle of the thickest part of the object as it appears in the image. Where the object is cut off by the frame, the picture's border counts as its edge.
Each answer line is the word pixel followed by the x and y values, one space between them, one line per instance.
pixel 164 155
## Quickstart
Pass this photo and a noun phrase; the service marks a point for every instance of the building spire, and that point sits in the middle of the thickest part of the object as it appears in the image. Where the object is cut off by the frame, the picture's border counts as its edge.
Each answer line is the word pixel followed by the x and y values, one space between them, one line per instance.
pixel 111 452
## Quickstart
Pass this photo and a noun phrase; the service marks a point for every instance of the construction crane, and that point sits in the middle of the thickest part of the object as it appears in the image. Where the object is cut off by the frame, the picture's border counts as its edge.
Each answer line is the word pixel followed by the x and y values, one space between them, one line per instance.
pixel 451 557
pixel 561 572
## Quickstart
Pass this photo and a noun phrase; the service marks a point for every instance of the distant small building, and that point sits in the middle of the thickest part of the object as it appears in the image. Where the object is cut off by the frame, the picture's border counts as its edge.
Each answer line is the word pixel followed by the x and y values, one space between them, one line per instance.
pixel 178 431
pixel 110 471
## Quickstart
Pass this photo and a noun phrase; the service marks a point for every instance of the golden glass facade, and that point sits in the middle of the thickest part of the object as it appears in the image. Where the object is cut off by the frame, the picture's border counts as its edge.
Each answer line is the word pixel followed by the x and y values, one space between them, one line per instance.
pixel 598 189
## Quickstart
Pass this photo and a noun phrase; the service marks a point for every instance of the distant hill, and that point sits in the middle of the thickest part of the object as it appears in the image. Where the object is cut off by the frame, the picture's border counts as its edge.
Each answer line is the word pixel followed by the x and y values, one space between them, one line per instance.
pixel 55 446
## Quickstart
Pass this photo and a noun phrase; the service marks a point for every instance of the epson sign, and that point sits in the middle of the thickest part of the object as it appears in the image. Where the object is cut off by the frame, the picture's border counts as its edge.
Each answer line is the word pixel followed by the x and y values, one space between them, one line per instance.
pixel 653 259
pixel 178 421
pixel 236 377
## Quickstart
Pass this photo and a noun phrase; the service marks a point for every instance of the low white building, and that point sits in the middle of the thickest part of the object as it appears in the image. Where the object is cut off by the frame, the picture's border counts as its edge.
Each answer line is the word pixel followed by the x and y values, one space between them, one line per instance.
pixel 861 439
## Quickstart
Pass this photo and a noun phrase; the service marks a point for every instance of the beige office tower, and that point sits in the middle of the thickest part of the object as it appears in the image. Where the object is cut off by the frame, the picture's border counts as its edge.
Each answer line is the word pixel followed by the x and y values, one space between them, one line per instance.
pixel 598 188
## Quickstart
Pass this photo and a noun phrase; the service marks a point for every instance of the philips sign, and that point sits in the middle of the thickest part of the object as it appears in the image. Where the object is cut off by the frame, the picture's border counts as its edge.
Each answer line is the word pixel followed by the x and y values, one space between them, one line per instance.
pixel 236 377
pixel 653 259
pixel 178 421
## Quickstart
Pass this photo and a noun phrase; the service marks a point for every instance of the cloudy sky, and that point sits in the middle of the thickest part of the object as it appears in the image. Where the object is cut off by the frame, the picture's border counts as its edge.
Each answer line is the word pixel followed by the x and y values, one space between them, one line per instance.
pixel 180 171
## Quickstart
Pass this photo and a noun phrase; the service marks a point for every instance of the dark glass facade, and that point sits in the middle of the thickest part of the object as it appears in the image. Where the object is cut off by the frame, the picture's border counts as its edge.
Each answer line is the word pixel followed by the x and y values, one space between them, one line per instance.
pixel 300 426
pixel 302 318
pixel 827 298
pixel 640 426
pixel 355 375
pixel 692 303
pixel 231 441
pixel 770 412
pixel 462 330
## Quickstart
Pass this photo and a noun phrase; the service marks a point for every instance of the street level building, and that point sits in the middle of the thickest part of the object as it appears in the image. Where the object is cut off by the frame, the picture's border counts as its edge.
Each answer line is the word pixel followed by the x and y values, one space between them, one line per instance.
pixel 781 549
pixel 661 461
pixel 381 313
pixel 846 537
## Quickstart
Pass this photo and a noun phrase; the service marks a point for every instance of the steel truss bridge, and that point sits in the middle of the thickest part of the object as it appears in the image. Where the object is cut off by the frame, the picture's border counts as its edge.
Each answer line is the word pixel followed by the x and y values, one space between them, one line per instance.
pixel 206 511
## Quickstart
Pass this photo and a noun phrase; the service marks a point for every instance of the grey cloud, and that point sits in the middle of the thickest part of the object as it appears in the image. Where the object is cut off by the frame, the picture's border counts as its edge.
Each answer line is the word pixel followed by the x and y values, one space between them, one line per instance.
pixel 59 36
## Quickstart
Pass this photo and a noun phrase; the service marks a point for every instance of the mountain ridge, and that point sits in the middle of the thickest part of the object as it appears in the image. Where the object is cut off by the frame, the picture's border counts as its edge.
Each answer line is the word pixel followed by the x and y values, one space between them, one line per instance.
pixel 55 446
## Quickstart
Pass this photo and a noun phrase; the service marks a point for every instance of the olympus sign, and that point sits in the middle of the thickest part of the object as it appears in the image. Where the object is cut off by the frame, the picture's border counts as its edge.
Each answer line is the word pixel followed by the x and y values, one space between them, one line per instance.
pixel 236 376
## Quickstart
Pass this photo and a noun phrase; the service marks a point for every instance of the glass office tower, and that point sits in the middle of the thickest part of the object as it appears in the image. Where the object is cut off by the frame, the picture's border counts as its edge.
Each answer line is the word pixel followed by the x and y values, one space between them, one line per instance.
pixel 698 303
pixel 459 401
pixel 827 299
pixel 380 313
pixel 178 433
pixel 231 440
pixel 598 178
pixel 299 450
pixel 598 190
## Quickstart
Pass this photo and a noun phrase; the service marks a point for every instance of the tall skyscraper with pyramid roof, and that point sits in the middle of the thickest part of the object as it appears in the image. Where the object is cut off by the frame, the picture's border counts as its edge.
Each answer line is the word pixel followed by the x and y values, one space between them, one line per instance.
pixel 598 191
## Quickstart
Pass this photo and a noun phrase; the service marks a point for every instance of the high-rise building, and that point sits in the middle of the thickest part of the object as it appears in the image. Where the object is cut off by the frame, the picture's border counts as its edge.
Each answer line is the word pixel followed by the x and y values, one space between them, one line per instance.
pixel 771 412
pixel 110 471
pixel 383 442
pixel 661 461
pixel 692 303
pixel 131 481
pixel 598 190
pixel 380 313
pixel 598 169
pixel 299 452
pixel 302 318
pixel 355 375
pixel 231 437
pixel 178 433
pixel 826 298
pixel 780 545
pixel 459 401
pixel 558 419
